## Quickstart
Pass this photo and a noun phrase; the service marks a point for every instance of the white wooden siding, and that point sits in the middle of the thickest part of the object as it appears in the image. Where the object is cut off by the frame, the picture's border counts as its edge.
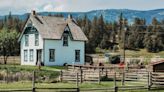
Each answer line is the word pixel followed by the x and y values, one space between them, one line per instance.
pixel 63 54
pixel 30 46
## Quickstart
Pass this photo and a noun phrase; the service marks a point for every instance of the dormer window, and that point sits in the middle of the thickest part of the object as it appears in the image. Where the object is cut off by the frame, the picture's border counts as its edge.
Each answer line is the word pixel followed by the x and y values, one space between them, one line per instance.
pixel 26 40
pixel 65 39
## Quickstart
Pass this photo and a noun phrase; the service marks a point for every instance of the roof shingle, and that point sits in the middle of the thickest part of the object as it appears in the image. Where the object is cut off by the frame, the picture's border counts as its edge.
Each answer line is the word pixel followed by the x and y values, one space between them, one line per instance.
pixel 53 27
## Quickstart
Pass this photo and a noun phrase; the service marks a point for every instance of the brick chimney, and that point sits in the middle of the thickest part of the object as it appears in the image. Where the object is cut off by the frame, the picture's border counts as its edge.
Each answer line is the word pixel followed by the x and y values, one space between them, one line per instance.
pixel 33 12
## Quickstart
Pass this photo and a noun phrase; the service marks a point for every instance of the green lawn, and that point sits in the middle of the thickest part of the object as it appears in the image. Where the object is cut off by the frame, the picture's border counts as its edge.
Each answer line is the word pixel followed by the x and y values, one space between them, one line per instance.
pixel 28 84
pixel 83 86
pixel 30 68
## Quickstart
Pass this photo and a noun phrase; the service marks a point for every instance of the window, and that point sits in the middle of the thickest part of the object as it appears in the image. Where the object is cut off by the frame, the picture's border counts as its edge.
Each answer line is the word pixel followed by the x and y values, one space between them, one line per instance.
pixel 77 55
pixel 26 40
pixel 31 54
pixel 36 39
pixel 65 40
pixel 51 55
pixel 25 55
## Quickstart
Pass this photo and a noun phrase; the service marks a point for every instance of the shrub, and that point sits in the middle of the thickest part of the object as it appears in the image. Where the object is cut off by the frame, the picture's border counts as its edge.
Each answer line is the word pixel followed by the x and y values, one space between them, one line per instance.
pixel 105 78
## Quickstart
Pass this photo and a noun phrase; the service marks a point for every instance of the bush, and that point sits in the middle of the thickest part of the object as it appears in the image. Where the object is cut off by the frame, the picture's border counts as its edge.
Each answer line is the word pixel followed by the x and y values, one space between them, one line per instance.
pixel 105 78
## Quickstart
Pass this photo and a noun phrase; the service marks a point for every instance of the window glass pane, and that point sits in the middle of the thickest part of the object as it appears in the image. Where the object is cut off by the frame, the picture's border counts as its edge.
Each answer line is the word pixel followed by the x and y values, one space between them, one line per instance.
pixel 65 40
pixel 26 40
pixel 51 54
pixel 31 55
pixel 77 55
pixel 25 55
pixel 36 39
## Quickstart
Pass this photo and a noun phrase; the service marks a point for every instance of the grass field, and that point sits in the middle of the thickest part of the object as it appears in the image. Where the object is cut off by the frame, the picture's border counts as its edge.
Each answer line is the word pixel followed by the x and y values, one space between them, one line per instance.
pixel 54 71
pixel 143 53
pixel 133 53
pixel 19 85
pixel 83 86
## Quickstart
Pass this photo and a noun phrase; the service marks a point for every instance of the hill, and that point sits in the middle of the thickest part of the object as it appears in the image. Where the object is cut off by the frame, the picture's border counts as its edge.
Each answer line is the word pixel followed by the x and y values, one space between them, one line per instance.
pixel 109 15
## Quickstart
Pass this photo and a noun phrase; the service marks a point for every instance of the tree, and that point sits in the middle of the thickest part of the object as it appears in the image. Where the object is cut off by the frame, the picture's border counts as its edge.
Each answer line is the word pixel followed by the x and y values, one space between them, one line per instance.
pixel 104 43
pixel 8 43
pixel 154 21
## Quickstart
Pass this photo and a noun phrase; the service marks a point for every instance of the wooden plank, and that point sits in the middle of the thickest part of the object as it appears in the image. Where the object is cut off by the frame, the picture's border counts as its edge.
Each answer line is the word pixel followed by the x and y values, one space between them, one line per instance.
pixel 158 83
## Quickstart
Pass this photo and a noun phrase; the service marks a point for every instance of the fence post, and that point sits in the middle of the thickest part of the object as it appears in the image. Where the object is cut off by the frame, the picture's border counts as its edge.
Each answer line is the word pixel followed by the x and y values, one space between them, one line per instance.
pixel 81 75
pixel 78 89
pixel 99 77
pixel 77 80
pixel 115 84
pixel 61 76
pixel 7 76
pixel 33 82
pixel 149 80
pixel 123 77
pixel 106 72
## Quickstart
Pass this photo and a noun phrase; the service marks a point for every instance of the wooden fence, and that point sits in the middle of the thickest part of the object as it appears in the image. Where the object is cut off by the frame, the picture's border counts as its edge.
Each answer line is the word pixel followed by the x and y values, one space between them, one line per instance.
pixel 156 79
pixel 151 80
pixel 96 74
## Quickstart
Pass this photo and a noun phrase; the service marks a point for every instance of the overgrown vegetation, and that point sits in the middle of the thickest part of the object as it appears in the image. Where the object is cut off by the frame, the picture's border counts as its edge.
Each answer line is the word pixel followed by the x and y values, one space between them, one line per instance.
pixel 13 73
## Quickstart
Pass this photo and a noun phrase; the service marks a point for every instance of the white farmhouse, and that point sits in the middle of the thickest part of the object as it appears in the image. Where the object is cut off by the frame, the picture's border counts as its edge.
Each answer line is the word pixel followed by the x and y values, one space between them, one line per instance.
pixel 51 41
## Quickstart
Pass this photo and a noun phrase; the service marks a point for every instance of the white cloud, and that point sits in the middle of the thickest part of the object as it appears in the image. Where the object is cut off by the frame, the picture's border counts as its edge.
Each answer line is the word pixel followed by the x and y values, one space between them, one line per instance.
pixel 48 7
pixel 52 8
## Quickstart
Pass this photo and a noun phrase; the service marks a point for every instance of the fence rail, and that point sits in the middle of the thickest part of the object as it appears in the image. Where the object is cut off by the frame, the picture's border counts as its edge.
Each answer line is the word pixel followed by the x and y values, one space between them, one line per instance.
pixel 149 79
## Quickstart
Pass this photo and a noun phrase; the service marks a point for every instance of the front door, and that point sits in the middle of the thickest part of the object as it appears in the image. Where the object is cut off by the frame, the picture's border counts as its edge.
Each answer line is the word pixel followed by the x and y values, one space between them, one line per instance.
pixel 39 56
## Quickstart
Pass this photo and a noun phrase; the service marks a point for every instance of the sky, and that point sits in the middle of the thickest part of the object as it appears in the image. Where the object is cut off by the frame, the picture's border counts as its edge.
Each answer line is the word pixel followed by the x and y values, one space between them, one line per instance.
pixel 26 6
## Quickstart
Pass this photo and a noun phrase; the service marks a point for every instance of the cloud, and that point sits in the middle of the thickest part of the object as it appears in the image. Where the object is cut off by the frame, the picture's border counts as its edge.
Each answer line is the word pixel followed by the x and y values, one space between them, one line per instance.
pixel 48 7
pixel 52 8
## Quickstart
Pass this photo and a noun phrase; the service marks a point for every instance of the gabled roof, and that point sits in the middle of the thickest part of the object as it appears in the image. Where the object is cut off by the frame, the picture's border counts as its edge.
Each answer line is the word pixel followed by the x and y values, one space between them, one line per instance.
pixel 157 62
pixel 50 27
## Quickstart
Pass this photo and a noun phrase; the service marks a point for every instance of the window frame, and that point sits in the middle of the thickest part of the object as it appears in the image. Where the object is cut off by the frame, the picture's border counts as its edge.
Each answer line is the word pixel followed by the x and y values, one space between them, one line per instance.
pixel 77 55
pixel 26 40
pixel 36 39
pixel 31 55
pixel 51 55
pixel 65 39
pixel 25 55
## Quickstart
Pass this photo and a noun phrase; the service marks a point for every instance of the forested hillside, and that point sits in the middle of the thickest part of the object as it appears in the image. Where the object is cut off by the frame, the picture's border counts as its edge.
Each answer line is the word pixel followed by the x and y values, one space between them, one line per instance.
pixel 138 35
pixel 101 33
